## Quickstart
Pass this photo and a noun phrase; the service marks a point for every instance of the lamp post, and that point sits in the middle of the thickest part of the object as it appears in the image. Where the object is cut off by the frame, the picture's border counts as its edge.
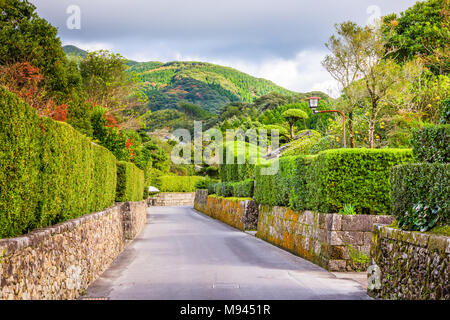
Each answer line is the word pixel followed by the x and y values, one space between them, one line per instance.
pixel 314 104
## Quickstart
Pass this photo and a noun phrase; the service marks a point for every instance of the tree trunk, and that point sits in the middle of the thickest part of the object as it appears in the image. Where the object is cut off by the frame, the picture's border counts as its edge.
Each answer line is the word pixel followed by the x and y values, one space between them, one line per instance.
pixel 292 132
pixel 373 118
pixel 350 127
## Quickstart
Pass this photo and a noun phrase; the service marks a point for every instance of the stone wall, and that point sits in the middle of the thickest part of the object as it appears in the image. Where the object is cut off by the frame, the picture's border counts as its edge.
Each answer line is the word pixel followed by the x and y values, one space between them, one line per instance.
pixel 61 261
pixel 173 199
pixel 241 214
pixel 409 265
pixel 335 242
pixel 134 215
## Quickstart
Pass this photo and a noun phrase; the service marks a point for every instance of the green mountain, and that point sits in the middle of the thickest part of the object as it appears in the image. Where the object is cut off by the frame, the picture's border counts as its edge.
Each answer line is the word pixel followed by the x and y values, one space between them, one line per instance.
pixel 207 85
pixel 170 86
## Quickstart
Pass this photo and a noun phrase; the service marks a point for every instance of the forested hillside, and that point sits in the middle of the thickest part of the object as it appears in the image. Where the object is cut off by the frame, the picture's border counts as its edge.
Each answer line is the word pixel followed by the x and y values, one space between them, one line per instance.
pixel 206 85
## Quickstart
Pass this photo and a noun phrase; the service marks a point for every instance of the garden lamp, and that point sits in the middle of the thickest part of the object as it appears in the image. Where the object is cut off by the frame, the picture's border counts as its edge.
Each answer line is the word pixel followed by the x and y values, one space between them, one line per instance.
pixel 313 103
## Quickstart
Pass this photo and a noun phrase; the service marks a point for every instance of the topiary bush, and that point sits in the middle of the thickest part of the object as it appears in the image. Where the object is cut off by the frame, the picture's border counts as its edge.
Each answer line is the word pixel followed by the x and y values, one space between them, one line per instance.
pixel 130 182
pixel 49 172
pixel 430 143
pixel 353 176
pixel 332 179
pixel 178 183
pixel 424 184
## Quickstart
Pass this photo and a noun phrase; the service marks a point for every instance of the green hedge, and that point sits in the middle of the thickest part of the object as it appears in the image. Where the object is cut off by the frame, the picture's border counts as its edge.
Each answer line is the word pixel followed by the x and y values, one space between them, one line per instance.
pixel 178 183
pixel 430 143
pixel 331 179
pixel 130 182
pixel 243 189
pixel 425 183
pixel 212 187
pixel 49 172
pixel 236 172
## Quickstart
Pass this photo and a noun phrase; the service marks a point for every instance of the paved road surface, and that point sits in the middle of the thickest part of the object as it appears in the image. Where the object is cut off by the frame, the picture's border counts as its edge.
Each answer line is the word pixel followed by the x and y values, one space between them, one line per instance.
pixel 183 254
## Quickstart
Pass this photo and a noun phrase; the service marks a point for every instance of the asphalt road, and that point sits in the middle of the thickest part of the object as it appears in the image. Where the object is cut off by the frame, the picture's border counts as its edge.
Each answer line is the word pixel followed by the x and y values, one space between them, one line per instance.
pixel 183 254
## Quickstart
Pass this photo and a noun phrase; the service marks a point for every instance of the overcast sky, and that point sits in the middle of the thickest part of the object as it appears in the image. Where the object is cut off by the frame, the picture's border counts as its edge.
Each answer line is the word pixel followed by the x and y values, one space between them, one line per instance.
pixel 280 40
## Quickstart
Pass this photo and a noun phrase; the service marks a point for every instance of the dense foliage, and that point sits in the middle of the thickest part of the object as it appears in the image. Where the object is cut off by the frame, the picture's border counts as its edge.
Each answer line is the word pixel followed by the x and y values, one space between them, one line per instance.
pixel 431 143
pixel 130 182
pixel 416 186
pixel 332 179
pixel 243 189
pixel 177 183
pixel 49 172
pixel 207 85
pixel 421 30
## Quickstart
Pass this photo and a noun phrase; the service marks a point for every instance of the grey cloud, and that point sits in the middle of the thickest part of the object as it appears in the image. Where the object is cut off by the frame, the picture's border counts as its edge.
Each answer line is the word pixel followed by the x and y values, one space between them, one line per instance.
pixel 238 29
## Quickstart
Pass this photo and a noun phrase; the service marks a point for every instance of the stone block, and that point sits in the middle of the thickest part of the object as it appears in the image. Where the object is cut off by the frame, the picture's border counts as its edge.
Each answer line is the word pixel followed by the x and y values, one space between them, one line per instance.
pixel 346 237
pixel 333 222
pixel 357 223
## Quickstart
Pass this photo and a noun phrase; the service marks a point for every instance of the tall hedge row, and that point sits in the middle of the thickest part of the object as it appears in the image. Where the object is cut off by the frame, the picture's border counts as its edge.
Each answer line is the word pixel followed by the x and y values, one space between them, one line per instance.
pixel 242 189
pixel 236 172
pixel 426 183
pixel 130 182
pixel 331 179
pixel 430 143
pixel 49 172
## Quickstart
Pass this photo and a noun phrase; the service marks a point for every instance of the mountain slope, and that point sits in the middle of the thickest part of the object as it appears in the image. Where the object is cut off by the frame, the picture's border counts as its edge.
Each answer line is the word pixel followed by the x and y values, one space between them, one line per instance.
pixel 207 85
pixel 75 51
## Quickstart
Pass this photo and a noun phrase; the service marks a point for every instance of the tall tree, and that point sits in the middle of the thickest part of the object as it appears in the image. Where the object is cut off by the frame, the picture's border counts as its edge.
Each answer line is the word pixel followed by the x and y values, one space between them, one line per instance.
pixel 342 64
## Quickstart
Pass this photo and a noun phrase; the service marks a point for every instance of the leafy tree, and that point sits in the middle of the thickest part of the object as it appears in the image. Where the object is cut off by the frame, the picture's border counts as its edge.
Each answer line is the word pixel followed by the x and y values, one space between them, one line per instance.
pixel 107 83
pixel 422 30
pixel 342 64
pixel 25 37
pixel 292 116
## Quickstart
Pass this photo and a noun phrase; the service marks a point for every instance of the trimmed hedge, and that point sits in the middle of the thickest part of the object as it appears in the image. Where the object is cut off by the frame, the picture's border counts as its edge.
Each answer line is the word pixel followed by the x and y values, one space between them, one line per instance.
pixel 178 183
pixel 49 172
pixel 331 179
pixel 425 183
pixel 130 182
pixel 242 189
pixel 236 172
pixel 430 143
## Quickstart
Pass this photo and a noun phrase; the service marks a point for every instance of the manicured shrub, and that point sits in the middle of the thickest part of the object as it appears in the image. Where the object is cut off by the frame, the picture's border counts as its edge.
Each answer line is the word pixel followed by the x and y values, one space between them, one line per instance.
pixel 178 183
pixel 285 188
pixel 243 189
pixel 49 172
pixel 426 184
pixel 130 182
pixel 332 179
pixel 430 143
pixel 353 176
